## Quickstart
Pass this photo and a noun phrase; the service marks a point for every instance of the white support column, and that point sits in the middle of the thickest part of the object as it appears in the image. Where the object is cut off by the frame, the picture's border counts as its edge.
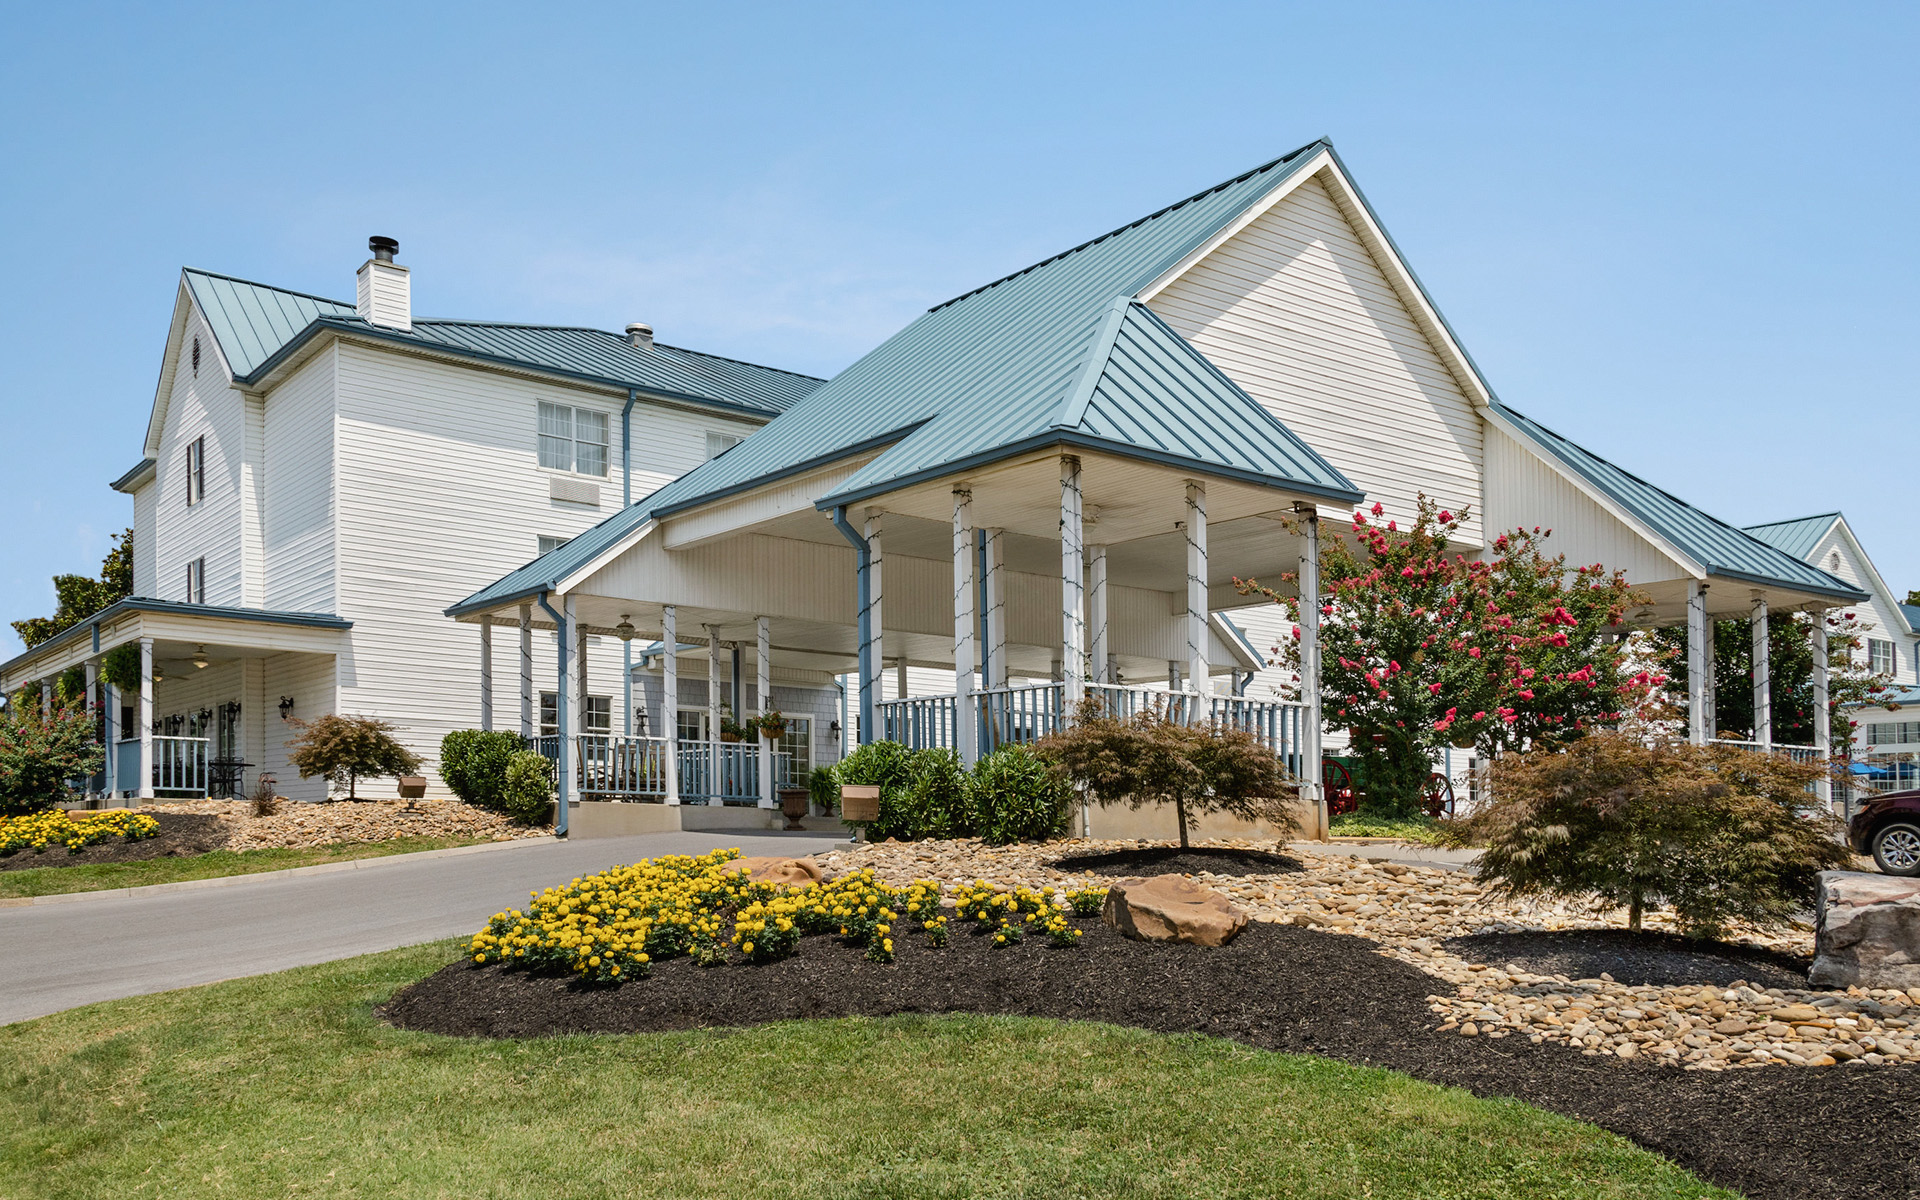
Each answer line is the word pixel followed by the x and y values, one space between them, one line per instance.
pixel 94 705
pixel 112 728
pixel 763 683
pixel 1699 629
pixel 670 697
pixel 1762 676
pixel 1711 712
pixel 526 670
pixel 143 786
pixel 1073 587
pixel 1310 719
pixel 996 621
pixel 714 650
pixel 1198 678
pixel 876 625
pixel 900 679
pixel 965 721
pixel 573 651
pixel 486 673
pixel 46 697
pixel 1822 719
pixel 566 712
pixel 1097 615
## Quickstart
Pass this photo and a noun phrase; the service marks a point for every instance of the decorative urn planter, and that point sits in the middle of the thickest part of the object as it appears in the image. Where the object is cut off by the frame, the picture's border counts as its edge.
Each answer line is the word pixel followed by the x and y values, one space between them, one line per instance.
pixel 793 806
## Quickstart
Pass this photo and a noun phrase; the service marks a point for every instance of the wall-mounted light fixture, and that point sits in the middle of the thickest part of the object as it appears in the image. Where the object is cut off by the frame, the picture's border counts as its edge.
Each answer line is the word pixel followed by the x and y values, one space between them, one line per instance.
pixel 286 707
pixel 833 731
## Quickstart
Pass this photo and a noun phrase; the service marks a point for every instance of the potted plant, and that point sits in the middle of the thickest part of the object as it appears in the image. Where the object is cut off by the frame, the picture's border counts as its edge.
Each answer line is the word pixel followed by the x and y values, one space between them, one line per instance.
pixel 825 790
pixel 772 723
pixel 793 805
pixel 732 730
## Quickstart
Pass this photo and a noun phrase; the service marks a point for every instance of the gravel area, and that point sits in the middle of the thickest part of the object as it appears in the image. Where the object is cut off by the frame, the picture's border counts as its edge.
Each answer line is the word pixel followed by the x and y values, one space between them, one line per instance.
pixel 1774 1135
pixel 298 826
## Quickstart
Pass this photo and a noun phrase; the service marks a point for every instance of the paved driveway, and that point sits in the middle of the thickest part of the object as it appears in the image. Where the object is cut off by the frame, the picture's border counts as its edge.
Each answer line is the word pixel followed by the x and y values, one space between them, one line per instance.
pixel 59 956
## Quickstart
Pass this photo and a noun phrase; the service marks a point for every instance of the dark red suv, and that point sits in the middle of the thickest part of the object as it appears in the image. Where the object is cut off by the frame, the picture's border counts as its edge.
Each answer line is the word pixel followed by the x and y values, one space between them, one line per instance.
pixel 1888 827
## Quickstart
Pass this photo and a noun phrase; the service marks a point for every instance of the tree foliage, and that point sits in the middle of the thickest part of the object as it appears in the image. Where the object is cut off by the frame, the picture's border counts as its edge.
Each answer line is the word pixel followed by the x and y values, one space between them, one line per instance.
pixel 41 752
pixel 1423 647
pixel 1714 832
pixel 81 596
pixel 1148 759
pixel 526 792
pixel 346 748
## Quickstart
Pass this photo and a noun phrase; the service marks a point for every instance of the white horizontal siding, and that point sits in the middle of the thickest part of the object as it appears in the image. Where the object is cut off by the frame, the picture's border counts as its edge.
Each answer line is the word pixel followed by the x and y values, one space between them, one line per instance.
pixel 1876 611
pixel 1523 491
pixel 438 492
pixel 207 406
pixel 309 680
pixel 143 538
pixel 1295 310
pixel 297 512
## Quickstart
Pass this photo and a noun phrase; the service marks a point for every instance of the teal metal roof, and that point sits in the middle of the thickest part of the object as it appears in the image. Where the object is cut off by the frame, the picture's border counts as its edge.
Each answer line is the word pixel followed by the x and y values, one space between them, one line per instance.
pixel 1054 353
pixel 259 326
pixel 1797 537
pixel 1912 613
pixel 1719 547
pixel 88 626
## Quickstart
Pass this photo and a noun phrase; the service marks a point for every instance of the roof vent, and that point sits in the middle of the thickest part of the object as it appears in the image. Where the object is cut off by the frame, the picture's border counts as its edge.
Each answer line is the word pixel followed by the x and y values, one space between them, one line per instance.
pixel 640 335
pixel 385 295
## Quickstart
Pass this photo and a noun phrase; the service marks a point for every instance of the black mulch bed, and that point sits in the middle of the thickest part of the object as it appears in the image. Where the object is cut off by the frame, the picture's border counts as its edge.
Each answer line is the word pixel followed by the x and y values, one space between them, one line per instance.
pixel 1635 959
pixel 1172 860
pixel 180 834
pixel 1775 1133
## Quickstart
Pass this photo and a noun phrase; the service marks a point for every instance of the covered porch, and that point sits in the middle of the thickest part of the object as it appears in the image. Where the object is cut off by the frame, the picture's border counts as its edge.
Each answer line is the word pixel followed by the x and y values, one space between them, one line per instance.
pixel 206 714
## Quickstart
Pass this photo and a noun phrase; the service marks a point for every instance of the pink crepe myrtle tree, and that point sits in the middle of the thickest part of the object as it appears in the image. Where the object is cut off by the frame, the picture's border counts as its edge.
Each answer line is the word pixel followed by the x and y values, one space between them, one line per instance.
pixel 1423 647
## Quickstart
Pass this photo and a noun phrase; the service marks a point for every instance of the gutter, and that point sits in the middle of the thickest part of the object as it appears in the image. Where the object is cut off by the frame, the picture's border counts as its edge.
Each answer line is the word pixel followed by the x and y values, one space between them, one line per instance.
pixel 563 764
pixel 626 501
pixel 863 551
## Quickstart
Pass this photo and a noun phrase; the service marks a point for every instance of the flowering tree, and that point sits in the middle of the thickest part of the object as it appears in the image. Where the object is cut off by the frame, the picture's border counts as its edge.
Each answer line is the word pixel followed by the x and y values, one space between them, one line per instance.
pixel 40 753
pixel 1423 647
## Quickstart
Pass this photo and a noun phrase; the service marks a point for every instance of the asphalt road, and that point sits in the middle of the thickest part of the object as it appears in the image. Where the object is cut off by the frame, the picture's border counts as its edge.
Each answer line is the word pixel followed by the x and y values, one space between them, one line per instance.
pixel 59 956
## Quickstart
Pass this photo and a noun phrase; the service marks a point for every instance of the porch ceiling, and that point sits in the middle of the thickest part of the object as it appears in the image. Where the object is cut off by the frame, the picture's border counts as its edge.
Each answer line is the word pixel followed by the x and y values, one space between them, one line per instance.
pixel 1727 599
pixel 177 631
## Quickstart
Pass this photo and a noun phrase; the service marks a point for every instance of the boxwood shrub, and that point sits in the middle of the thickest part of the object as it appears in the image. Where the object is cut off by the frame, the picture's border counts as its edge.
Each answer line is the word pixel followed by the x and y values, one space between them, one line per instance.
pixel 474 764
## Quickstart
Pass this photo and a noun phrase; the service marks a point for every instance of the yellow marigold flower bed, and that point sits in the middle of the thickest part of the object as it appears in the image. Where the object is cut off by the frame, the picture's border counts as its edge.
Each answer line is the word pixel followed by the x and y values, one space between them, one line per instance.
pixel 613 926
pixel 75 831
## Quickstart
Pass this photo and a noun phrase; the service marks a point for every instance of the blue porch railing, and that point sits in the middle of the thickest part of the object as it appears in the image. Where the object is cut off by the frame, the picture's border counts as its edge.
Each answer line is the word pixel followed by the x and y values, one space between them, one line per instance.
pixel 617 767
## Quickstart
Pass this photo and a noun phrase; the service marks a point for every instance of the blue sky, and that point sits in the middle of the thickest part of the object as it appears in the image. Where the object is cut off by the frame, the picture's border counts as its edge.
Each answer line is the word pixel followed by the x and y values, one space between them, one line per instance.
pixel 1682 234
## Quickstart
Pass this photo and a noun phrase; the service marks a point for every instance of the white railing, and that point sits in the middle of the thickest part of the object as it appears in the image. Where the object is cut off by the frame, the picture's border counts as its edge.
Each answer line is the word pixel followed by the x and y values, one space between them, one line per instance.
pixel 618 767
pixel 180 764
pixel 1028 712
pixel 1805 754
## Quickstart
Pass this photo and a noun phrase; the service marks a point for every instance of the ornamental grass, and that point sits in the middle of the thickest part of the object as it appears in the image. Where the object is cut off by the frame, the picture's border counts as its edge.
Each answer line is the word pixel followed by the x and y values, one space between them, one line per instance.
pixel 613 926
pixel 37 831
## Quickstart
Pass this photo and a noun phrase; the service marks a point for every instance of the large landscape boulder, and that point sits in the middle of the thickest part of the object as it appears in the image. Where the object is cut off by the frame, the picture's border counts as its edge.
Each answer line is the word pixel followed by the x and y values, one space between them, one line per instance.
pixel 787 872
pixel 1172 908
pixel 1868 931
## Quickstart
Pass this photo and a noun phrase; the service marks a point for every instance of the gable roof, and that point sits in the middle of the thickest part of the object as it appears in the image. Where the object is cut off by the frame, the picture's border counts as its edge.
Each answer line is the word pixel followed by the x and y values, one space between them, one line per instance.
pixel 1717 547
pixel 258 327
pixel 1798 537
pixel 1058 352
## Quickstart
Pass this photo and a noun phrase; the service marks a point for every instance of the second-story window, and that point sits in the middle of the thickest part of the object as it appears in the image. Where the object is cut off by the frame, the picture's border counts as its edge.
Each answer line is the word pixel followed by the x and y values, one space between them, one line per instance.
pixel 197 581
pixel 573 439
pixel 720 443
pixel 1879 656
pixel 196 471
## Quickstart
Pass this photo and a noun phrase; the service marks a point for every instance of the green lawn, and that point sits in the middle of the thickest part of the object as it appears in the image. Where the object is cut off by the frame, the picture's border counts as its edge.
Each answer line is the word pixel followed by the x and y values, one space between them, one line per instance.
pixel 286 1085
pixel 1423 830
pixel 93 877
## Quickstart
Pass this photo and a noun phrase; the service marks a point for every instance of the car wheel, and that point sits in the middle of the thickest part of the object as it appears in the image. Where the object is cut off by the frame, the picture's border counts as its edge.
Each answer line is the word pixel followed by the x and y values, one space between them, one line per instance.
pixel 1896 848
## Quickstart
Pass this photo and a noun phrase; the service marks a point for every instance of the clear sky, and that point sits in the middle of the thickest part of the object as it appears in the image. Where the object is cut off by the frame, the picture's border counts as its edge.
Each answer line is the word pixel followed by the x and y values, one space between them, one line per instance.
pixel 1683 234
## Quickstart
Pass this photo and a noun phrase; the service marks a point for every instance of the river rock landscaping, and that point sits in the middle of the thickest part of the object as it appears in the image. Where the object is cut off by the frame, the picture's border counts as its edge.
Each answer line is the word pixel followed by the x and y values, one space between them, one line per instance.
pixel 299 826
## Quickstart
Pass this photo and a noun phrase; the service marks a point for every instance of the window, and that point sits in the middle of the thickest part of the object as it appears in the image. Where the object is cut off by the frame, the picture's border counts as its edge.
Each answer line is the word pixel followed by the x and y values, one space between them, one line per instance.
pixel 196 471
pixel 720 443
pixel 797 740
pixel 549 543
pixel 573 439
pixel 1893 733
pixel 596 715
pixel 1879 656
pixel 197 581
pixel 690 724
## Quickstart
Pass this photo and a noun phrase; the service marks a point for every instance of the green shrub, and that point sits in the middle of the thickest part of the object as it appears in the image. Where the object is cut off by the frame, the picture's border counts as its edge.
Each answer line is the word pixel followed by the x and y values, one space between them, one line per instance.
pixel 888 766
pixel 120 667
pixel 939 800
pixel 474 764
pixel 527 793
pixel 824 789
pixel 1018 797
pixel 39 755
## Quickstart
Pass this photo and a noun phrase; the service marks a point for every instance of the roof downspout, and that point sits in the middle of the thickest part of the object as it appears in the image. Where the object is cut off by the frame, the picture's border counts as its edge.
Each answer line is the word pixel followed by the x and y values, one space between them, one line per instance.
pixel 863 553
pixel 626 501
pixel 562 766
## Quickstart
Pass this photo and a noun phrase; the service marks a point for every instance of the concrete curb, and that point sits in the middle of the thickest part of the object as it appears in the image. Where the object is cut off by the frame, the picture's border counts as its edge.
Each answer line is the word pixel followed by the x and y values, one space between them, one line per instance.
pixel 154 890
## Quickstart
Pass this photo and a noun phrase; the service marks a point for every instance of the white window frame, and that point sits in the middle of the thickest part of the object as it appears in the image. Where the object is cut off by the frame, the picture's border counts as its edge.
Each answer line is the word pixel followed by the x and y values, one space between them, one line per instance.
pixel 797 740
pixel 719 443
pixel 685 716
pixel 196 470
pixel 1880 656
pixel 196 581
pixel 596 714
pixel 547 543
pixel 559 442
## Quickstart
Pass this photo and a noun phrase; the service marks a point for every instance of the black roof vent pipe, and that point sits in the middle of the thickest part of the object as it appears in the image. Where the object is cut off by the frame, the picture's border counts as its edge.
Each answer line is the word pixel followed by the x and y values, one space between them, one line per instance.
pixel 384 248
